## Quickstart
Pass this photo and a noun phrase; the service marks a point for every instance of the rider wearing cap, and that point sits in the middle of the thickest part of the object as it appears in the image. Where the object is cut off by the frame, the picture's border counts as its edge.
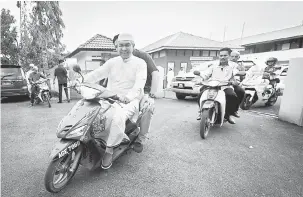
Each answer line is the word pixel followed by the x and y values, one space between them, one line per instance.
pixel 33 77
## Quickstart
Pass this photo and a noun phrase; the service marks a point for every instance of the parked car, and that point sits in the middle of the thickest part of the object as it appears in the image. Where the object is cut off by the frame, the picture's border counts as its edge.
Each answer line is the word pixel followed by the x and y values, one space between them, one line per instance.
pixel 13 82
pixel 184 84
pixel 282 74
pixel 247 64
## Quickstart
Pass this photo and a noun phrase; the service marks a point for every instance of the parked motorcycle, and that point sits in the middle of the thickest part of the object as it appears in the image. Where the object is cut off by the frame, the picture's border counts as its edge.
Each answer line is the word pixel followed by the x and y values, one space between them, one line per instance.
pixel 44 93
pixel 83 133
pixel 258 92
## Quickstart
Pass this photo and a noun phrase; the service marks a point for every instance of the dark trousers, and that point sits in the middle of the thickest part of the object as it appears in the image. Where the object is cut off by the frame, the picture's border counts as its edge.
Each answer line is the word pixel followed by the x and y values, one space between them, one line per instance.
pixel 60 91
pixel 34 91
pixel 240 92
pixel 231 101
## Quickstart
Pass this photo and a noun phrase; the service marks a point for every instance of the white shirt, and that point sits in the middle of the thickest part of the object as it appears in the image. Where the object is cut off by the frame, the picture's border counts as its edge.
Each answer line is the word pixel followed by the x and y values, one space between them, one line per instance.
pixel 125 77
pixel 220 73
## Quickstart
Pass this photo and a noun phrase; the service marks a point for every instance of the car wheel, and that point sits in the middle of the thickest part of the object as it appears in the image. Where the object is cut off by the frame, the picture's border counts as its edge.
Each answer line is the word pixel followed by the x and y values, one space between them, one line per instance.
pixel 180 96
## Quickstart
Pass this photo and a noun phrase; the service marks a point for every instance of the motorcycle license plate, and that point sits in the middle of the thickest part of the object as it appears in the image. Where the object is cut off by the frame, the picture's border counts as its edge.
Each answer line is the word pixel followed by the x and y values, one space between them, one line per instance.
pixel 181 85
pixel 69 149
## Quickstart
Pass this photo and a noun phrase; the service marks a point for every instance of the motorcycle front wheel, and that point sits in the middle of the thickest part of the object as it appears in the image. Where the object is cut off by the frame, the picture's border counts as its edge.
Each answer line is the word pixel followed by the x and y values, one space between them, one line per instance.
pixel 246 104
pixel 61 171
pixel 47 99
pixel 205 122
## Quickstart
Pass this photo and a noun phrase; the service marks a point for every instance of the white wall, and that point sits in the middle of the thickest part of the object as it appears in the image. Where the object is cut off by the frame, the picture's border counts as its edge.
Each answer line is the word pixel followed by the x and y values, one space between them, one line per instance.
pixel 281 55
pixel 291 108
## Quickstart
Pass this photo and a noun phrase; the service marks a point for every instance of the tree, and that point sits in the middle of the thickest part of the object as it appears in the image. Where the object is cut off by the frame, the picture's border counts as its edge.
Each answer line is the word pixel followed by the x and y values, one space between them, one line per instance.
pixel 9 44
pixel 42 34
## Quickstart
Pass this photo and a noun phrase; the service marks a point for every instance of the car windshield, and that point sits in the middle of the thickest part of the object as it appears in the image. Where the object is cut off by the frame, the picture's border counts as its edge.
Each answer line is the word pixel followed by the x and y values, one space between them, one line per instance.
pixel 11 73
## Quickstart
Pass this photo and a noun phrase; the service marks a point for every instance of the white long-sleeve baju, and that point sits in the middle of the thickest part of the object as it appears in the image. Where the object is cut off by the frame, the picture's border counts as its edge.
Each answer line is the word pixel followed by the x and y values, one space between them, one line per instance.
pixel 125 77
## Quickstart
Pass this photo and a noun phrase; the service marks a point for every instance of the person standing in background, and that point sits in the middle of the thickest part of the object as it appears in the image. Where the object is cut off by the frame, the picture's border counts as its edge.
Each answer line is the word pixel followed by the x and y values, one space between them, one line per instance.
pixel 62 77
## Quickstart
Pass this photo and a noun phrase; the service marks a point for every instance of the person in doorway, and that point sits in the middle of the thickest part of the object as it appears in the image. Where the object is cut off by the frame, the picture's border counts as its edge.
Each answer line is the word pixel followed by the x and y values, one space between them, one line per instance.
pixel 234 57
pixel 182 71
pixel 150 89
pixel 61 74
pixel 223 70
pixel 170 76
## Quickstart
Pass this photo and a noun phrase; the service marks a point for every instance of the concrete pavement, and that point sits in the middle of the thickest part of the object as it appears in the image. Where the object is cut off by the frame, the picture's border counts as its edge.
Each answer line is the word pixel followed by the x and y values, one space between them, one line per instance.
pixel 259 156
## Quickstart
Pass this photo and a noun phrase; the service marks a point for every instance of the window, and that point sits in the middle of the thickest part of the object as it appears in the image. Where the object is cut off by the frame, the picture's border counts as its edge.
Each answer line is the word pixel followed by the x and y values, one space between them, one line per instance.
pixel 162 53
pixel 213 53
pixel 294 44
pixel 278 46
pixel 205 53
pixel 173 52
pixel 188 53
pixel 180 52
pixel 196 53
pixel 286 46
pixel 156 55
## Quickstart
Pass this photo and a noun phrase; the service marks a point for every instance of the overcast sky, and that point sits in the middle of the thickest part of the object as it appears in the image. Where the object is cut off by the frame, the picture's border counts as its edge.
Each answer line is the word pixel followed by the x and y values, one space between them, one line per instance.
pixel 150 21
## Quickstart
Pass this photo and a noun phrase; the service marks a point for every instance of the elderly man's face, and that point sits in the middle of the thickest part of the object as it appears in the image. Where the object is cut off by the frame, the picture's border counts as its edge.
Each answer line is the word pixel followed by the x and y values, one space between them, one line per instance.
pixel 125 48
pixel 234 57
pixel 224 55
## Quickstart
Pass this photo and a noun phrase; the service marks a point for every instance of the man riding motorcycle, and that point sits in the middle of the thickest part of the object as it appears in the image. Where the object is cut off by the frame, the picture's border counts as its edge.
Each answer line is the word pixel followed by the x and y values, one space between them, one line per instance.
pixel 150 89
pixel 234 57
pixel 269 71
pixel 34 77
pixel 126 76
pixel 223 70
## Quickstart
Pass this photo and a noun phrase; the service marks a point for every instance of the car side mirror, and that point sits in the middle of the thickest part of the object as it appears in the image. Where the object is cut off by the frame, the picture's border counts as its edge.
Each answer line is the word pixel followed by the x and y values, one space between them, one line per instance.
pixel 77 68
pixel 196 72
pixel 283 74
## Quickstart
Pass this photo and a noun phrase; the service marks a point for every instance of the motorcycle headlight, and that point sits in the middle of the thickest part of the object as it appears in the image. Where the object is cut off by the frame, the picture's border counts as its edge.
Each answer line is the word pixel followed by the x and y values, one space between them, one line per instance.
pixel 88 93
pixel 212 94
pixel 77 132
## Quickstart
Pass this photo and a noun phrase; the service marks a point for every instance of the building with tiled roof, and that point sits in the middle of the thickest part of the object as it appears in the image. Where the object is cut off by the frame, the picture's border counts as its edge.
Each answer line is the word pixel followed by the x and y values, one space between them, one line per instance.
pixel 94 52
pixel 183 50
pixel 284 44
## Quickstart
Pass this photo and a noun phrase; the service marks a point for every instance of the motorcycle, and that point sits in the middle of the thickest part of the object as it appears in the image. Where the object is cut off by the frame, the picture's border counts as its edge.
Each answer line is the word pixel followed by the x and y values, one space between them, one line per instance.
pixel 259 92
pixel 44 93
pixel 212 104
pixel 83 133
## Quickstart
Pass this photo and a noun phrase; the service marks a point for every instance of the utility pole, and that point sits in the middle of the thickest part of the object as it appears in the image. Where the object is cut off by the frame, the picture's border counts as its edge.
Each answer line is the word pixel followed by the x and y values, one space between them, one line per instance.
pixel 224 33
pixel 242 32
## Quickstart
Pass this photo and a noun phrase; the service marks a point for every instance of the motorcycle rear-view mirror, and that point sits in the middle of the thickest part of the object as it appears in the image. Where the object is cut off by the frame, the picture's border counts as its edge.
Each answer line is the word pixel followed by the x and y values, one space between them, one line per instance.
pixel 196 72
pixel 77 68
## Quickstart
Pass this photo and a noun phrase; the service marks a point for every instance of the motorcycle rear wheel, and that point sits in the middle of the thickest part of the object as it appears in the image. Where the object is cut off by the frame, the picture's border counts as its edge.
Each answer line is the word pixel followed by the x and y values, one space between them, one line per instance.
pixel 47 99
pixel 205 122
pixel 60 167
pixel 272 100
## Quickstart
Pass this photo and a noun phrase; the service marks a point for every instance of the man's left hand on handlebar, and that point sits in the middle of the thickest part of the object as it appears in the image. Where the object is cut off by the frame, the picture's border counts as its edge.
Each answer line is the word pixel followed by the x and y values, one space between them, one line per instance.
pixel 123 99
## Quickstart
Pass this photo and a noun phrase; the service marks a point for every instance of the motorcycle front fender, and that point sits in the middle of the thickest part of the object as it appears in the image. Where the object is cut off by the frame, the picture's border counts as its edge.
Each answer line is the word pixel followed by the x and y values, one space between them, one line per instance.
pixel 63 147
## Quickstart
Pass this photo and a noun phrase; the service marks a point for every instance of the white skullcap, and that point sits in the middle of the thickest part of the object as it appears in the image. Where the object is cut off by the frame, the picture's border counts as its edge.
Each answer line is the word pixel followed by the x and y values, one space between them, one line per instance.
pixel 35 67
pixel 31 65
pixel 235 52
pixel 125 36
